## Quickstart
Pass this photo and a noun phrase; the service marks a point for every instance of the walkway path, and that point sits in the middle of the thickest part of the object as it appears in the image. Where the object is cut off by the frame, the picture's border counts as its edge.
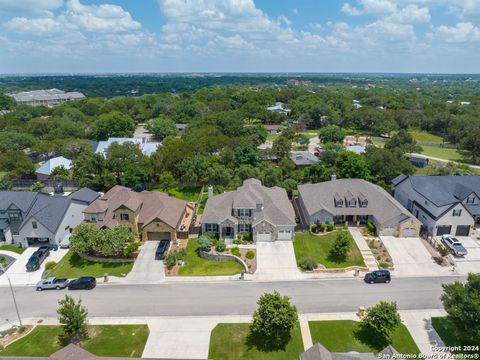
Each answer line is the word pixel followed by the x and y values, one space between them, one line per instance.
pixel 366 252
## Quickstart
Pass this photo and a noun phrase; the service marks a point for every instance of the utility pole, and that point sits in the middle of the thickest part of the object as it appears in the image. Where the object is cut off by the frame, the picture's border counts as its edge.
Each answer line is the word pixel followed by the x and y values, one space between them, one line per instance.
pixel 13 295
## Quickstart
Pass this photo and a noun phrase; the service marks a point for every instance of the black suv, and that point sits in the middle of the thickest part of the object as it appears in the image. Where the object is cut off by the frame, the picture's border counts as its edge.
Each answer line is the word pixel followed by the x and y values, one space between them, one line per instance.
pixel 378 276
pixel 85 282
pixel 37 258
pixel 161 248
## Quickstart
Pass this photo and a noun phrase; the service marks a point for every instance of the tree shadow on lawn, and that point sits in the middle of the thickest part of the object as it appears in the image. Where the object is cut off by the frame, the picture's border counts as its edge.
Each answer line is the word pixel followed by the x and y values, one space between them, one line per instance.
pixel 370 337
pixel 336 259
pixel 267 344
pixel 76 261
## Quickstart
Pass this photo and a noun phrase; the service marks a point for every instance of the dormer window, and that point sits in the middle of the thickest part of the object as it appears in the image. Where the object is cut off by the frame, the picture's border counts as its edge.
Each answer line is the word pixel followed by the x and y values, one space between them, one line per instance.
pixel 352 203
pixel 471 200
pixel 362 200
pixel 338 200
pixel 350 199
pixel 259 207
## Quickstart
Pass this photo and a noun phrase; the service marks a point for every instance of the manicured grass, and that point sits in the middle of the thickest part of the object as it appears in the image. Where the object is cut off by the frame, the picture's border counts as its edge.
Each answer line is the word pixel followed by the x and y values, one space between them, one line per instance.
pixel 348 335
pixel 72 266
pixel 13 248
pixel 442 153
pixel 318 248
pixel 230 341
pixel 196 266
pixel 423 136
pixel 201 207
pixel 105 340
pixel 189 194
pixel 446 331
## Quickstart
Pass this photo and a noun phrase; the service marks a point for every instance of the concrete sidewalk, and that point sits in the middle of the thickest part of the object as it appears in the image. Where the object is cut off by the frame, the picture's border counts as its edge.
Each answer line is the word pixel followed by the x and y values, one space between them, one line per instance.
pixel 362 245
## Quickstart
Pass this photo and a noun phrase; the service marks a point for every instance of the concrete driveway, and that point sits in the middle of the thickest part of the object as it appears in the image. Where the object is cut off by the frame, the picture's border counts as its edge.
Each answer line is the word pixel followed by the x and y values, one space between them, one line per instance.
pixel 276 261
pixel 411 258
pixel 19 276
pixel 471 261
pixel 146 269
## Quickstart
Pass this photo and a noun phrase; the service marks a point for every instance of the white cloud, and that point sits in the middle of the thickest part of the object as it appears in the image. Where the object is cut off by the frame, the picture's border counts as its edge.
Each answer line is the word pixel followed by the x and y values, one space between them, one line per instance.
pixel 30 6
pixel 37 27
pixel 351 10
pixel 376 7
pixel 460 33
pixel 295 11
pixel 411 14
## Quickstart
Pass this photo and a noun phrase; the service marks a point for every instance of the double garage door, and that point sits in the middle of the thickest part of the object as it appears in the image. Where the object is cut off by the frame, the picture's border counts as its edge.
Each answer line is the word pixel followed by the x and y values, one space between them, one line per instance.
pixel 157 236
pixel 461 230
pixel 268 236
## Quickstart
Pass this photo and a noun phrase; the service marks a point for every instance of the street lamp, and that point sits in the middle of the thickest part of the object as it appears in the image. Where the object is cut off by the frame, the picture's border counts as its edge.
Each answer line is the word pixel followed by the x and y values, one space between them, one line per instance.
pixel 2 268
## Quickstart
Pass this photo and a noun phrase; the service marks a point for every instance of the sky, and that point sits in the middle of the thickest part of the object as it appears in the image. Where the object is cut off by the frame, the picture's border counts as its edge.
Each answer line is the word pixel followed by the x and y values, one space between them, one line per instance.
pixel 111 36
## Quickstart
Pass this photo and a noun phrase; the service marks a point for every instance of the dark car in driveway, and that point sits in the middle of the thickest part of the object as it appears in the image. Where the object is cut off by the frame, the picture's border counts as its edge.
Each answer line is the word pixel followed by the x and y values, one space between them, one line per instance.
pixel 37 258
pixel 161 249
pixel 377 276
pixel 85 283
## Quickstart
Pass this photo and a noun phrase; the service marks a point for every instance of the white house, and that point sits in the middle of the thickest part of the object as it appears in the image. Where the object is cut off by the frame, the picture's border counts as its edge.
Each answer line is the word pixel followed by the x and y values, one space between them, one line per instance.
pixel 44 171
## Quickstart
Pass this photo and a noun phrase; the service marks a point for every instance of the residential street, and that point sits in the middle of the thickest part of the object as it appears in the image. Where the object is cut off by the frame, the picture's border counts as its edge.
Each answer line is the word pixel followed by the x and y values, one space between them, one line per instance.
pixel 227 298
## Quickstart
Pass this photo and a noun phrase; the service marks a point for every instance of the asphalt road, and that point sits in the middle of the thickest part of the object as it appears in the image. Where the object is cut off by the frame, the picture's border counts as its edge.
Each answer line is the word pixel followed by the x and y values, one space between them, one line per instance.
pixel 227 298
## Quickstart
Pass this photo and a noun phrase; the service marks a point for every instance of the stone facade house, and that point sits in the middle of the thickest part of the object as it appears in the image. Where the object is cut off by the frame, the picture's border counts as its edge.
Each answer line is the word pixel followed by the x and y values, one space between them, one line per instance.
pixel 265 212
pixel 154 215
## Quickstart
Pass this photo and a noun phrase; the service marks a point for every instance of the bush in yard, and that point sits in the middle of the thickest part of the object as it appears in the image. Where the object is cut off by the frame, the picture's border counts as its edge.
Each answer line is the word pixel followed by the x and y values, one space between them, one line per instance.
pixel 273 321
pixel 73 318
pixel 382 319
pixel 235 251
pixel 330 227
pixel 247 236
pixel 322 227
pixel 204 243
pixel 131 249
pixel 170 260
pixel 250 254
pixel 307 263
pixel 220 246
pixel 461 302
pixel 442 250
pixel 340 247
pixel 50 265
pixel 371 228
pixel 314 228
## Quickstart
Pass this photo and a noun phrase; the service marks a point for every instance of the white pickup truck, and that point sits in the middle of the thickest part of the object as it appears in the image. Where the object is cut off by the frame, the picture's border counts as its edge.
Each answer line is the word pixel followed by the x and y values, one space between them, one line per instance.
pixel 454 245
pixel 52 283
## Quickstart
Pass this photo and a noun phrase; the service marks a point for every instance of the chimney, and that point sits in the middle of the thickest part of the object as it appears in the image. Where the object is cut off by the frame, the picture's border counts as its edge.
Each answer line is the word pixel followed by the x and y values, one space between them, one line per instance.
pixel 333 177
pixel 210 191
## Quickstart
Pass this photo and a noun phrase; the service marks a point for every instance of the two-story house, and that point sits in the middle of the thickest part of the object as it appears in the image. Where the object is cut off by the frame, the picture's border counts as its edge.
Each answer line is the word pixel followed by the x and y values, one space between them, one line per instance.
pixel 444 204
pixel 31 218
pixel 153 215
pixel 356 201
pixel 265 212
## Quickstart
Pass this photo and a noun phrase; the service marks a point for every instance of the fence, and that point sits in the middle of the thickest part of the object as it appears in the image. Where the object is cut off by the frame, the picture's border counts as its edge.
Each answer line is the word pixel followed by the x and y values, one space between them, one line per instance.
pixel 69 184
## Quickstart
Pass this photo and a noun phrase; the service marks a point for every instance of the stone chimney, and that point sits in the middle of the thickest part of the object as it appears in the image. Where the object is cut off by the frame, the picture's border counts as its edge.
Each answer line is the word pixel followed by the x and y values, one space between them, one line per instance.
pixel 210 191
pixel 333 177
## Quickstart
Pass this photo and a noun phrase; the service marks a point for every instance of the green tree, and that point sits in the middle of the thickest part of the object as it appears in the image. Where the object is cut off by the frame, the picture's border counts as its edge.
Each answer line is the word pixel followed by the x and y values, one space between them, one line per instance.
pixel 246 154
pixel 274 320
pixel 6 102
pixel 471 144
pixel 382 319
pixel 90 169
pixel 59 173
pixel 167 181
pixel 462 304
pixel 73 318
pixel 83 237
pixel 162 127
pixel 386 164
pixel 404 142
pixel 331 134
pixel 123 156
pixel 113 124
pixel 340 247
pixel 351 165
pixel 281 147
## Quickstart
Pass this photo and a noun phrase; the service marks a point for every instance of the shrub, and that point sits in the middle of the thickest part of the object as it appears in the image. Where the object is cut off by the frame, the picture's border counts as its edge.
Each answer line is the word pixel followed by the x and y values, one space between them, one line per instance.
pixel 442 250
pixel 365 233
pixel 171 260
pixel 384 265
pixel 340 247
pixel 50 265
pixel 247 236
pixel 307 263
pixel 250 254
pixel 371 228
pixel 378 258
pixel 220 246
pixel 330 227
pixel 235 251
pixel 204 243
pixel 239 241
pixel 1 347
pixel 131 249
pixel 322 227
pixel 214 236
pixel 314 228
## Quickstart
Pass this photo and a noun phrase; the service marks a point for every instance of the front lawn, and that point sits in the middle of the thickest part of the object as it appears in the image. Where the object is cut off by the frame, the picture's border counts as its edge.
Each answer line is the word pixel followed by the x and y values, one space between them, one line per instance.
pixel 189 194
pixel 348 335
pixel 426 137
pixel 13 248
pixel 197 266
pixel 230 341
pixel 318 248
pixel 105 340
pixel 446 331
pixel 442 153
pixel 73 266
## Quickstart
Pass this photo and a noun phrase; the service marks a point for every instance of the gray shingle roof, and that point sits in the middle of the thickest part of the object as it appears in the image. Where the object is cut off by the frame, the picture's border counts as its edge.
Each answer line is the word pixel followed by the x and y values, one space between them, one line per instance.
pixel 319 352
pixel 303 158
pixel 21 199
pixel 84 195
pixel 49 211
pixel 380 203
pixel 277 209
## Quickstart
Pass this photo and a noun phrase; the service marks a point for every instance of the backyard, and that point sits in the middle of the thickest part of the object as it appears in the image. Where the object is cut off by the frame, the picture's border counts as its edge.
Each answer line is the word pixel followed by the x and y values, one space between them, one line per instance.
pixel 442 153
pixel 348 335
pixel 105 340
pixel 197 266
pixel 318 248
pixel 189 194
pixel 72 266
pixel 426 137
pixel 231 341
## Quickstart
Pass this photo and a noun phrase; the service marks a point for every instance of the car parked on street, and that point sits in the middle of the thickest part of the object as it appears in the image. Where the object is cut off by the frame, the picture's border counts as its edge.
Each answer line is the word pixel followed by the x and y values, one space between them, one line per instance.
pixel 161 249
pixel 455 246
pixel 37 258
pixel 377 276
pixel 52 283
pixel 82 283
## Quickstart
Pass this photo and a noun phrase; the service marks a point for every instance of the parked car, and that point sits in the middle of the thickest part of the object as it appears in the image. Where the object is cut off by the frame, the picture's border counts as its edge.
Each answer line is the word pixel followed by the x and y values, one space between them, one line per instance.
pixel 65 243
pixel 84 282
pixel 161 249
pixel 377 276
pixel 52 283
pixel 37 258
pixel 455 246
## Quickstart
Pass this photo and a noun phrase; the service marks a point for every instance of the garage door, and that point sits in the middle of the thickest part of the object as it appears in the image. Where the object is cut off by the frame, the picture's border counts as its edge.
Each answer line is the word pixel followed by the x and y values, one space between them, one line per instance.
pixel 463 230
pixel 158 236
pixel 284 235
pixel 442 230
pixel 264 236
pixel 409 232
